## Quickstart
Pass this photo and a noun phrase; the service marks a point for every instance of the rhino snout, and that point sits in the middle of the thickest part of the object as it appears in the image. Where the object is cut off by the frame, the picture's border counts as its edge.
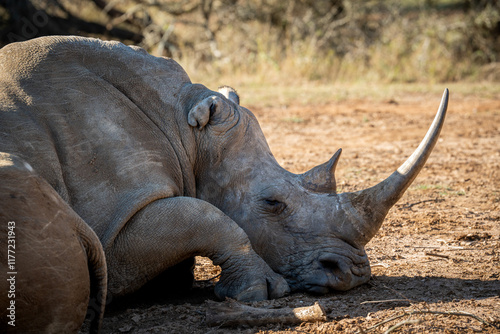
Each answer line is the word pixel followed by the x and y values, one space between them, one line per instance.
pixel 343 274
pixel 337 272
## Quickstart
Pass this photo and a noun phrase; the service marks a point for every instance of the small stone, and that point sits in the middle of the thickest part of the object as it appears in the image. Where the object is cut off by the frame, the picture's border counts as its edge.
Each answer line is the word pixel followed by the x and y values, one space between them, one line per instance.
pixel 125 329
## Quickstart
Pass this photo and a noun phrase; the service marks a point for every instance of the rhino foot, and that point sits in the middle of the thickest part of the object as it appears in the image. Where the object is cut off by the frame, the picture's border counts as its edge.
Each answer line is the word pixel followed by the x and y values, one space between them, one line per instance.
pixel 250 282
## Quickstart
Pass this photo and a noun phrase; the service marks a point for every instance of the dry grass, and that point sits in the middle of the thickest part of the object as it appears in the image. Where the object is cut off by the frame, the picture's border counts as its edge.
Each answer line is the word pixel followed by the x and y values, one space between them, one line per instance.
pixel 299 44
pixel 272 93
pixel 408 46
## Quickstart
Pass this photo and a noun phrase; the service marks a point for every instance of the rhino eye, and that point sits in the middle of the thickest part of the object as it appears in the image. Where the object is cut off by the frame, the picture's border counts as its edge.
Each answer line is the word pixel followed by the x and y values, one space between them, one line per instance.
pixel 272 202
pixel 274 205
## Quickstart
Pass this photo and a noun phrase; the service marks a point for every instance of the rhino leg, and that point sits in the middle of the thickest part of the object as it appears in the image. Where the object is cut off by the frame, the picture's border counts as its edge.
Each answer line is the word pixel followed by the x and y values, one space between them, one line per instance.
pixel 51 252
pixel 169 231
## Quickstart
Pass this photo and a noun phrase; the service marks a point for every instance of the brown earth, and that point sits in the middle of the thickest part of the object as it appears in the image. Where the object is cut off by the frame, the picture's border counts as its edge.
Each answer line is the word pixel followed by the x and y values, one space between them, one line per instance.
pixel 438 250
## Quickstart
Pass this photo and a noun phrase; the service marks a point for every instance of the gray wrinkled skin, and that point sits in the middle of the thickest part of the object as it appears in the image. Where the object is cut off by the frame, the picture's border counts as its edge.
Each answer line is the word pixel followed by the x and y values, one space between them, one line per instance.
pixel 163 170
pixel 298 224
pixel 288 225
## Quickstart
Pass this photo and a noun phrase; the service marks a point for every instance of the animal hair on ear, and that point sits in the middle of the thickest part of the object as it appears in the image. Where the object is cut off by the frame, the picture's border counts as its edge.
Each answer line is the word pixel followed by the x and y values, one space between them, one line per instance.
pixel 230 93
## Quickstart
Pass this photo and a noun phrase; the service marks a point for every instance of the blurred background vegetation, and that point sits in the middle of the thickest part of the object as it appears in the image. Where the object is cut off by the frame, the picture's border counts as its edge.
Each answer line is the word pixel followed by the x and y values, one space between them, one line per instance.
pixel 384 41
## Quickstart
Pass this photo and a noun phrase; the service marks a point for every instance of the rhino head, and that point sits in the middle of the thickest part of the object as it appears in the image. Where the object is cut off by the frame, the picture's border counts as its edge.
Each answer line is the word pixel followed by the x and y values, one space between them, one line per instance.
pixel 297 223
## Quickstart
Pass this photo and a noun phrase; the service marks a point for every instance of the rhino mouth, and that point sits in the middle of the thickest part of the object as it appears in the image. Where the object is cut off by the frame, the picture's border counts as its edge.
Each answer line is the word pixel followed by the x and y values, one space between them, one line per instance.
pixel 338 275
pixel 332 272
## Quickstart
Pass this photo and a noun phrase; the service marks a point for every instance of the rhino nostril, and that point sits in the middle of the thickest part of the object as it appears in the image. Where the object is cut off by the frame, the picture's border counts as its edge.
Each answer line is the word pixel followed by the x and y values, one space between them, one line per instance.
pixel 332 266
pixel 340 273
pixel 329 263
pixel 339 268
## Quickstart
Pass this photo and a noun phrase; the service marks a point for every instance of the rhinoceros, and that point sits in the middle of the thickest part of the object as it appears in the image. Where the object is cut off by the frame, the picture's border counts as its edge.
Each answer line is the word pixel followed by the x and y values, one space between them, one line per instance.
pixel 162 170
pixel 50 256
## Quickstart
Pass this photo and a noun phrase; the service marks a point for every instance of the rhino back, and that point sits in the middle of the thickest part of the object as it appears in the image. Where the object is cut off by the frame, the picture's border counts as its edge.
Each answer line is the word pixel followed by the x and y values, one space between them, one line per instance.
pixel 100 121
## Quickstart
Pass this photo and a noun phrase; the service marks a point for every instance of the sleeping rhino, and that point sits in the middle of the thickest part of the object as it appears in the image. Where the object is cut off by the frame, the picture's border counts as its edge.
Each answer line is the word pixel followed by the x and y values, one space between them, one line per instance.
pixel 162 170
pixel 50 257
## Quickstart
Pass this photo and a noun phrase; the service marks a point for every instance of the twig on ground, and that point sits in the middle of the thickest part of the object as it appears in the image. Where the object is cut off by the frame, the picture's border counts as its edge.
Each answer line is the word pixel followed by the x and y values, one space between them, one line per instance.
pixel 402 323
pixel 428 247
pixel 384 301
pixel 456 313
pixel 235 314
pixel 431 260
pixel 398 293
pixel 437 255
pixel 410 205
pixel 381 264
pixel 410 313
pixel 448 248
pixel 384 322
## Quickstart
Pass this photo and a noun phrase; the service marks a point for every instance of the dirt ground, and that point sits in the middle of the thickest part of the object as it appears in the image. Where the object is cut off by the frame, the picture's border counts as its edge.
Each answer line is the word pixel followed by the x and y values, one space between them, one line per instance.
pixel 438 251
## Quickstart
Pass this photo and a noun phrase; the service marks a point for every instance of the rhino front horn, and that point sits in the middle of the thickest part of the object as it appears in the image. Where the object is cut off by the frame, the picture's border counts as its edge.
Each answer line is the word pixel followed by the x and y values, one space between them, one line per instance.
pixel 368 208
pixel 321 178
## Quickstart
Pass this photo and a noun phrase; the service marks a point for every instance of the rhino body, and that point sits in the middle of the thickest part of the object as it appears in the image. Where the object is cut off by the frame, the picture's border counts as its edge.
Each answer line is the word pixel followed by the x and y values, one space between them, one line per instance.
pixel 161 170
pixel 49 255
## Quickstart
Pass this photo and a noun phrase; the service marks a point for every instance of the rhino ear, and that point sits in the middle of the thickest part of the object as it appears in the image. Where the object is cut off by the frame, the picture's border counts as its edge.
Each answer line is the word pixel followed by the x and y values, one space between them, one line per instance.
pixel 230 94
pixel 200 114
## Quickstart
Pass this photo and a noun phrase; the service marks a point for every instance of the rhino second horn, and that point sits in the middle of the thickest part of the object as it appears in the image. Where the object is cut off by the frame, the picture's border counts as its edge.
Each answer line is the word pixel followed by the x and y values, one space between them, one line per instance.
pixel 322 178
pixel 370 206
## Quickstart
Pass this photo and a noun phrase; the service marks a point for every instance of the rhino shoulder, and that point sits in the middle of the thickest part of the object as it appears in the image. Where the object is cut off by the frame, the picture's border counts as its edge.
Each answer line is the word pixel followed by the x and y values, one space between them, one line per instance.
pixel 108 59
